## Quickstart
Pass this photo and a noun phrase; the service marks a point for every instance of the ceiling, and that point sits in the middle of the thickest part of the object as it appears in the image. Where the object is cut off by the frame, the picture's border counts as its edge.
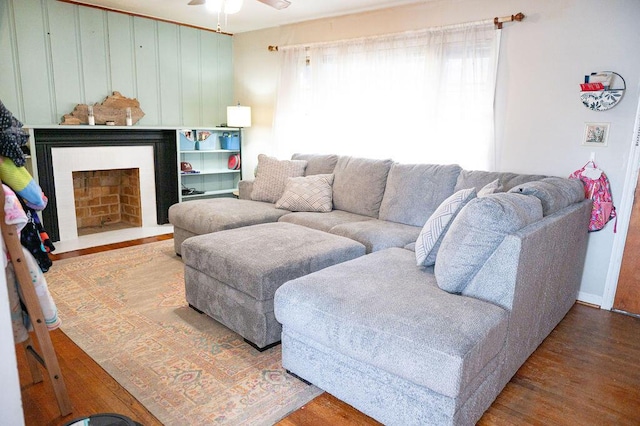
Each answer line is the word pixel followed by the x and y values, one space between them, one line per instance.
pixel 253 16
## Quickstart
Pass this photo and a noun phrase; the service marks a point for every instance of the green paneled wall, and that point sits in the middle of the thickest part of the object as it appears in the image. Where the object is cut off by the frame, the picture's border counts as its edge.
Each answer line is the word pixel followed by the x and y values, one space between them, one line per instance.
pixel 55 55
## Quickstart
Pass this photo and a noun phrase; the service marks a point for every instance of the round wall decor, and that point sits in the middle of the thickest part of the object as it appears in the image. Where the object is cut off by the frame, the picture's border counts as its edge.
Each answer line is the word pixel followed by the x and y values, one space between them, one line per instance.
pixel 607 97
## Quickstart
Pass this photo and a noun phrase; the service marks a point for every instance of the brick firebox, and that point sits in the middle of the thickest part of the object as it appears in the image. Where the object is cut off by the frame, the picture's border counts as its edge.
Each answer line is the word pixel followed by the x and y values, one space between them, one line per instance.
pixel 107 197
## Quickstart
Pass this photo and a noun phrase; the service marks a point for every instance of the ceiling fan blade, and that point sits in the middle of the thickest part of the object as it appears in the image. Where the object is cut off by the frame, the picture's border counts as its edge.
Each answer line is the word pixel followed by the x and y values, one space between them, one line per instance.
pixel 278 4
pixel 196 2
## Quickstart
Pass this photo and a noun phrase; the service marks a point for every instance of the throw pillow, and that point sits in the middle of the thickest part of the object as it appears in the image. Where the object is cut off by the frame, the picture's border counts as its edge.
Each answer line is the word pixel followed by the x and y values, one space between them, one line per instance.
pixel 359 185
pixel 307 194
pixel 271 177
pixel 435 228
pixel 490 188
pixel 554 193
pixel 317 164
pixel 414 191
pixel 477 231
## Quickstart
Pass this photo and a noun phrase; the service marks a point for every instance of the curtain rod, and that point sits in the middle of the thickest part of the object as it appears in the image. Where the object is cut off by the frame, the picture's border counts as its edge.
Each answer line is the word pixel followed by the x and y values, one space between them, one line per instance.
pixel 497 21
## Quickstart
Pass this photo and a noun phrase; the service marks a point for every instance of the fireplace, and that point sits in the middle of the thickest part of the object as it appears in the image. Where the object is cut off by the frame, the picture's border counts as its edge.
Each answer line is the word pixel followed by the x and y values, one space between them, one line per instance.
pixel 107 200
pixel 63 150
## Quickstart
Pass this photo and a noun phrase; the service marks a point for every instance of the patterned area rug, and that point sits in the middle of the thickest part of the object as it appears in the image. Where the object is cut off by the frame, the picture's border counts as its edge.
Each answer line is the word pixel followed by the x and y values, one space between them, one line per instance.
pixel 126 308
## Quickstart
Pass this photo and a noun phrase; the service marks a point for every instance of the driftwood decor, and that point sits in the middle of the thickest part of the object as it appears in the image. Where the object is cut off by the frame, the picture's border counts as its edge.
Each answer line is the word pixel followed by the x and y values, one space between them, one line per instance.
pixel 112 109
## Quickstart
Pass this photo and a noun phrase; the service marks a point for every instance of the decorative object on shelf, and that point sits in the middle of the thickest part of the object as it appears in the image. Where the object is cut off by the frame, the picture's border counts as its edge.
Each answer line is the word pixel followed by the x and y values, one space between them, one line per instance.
pixel 114 108
pixel 602 90
pixel 201 136
pixel 90 117
pixel 234 162
pixel 595 134
pixel 187 139
pixel 229 141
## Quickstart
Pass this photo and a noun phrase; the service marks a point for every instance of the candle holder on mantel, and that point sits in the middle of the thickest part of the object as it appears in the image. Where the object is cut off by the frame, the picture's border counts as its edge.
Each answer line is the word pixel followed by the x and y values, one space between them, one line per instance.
pixel 120 110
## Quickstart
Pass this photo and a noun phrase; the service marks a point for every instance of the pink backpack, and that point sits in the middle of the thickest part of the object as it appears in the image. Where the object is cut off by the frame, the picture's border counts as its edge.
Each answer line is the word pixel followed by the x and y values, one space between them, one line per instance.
pixel 597 188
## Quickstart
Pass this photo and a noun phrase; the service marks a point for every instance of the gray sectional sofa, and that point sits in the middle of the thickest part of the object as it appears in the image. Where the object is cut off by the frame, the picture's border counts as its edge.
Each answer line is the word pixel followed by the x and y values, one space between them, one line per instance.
pixel 415 298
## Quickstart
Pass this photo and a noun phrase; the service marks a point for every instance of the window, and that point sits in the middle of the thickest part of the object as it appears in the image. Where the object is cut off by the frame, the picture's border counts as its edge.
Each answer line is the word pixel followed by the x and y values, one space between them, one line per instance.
pixel 418 97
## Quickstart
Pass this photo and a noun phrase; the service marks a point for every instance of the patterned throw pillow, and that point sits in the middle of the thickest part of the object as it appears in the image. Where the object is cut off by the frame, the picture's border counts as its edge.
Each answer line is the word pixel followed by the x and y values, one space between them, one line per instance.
pixel 272 175
pixel 308 194
pixel 435 228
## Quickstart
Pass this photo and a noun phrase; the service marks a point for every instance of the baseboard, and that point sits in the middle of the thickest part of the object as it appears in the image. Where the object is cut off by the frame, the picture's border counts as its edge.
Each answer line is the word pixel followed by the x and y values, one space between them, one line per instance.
pixel 590 299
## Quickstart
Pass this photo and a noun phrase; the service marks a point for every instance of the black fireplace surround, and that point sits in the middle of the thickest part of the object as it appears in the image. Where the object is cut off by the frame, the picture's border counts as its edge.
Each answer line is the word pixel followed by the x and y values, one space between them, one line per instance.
pixel 165 161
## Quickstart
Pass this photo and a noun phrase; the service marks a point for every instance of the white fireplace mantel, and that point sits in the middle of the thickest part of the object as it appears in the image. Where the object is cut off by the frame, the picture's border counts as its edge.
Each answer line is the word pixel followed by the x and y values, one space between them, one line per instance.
pixel 68 160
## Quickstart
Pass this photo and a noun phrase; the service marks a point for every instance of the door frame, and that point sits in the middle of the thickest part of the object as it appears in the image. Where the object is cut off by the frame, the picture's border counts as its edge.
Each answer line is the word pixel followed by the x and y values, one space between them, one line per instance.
pixel 626 204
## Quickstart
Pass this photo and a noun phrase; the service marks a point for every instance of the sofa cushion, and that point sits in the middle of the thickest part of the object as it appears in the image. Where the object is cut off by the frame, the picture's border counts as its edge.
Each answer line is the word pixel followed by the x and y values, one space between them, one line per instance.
pixel 436 227
pixel 477 231
pixel 554 193
pixel 307 194
pixel 271 177
pixel 217 214
pixel 414 191
pixel 490 188
pixel 359 185
pixel 479 178
pixel 317 164
pixel 323 221
pixel 378 234
pixel 245 188
pixel 381 310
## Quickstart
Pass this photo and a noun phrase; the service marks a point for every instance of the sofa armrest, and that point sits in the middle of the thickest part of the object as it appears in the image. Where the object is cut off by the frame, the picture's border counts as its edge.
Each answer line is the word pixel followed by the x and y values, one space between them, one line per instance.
pixel 244 189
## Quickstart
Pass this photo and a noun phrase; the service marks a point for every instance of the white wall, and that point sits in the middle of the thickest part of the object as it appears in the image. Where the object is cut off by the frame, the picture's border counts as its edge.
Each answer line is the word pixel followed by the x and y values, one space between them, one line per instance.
pixel 539 117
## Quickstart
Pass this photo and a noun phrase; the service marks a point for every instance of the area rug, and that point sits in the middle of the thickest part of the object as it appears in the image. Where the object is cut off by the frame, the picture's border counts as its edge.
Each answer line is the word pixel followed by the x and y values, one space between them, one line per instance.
pixel 126 308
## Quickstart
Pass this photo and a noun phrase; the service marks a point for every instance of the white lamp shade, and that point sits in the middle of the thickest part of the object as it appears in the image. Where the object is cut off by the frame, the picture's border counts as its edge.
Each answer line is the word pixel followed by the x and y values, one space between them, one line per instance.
pixel 239 116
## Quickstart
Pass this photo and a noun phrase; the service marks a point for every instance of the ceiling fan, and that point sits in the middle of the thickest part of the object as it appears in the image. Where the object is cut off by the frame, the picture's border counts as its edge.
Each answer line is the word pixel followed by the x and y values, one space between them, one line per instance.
pixel 277 4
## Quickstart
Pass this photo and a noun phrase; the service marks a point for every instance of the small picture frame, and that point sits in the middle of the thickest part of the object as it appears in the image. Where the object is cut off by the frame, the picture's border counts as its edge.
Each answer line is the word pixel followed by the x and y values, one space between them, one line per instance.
pixel 595 134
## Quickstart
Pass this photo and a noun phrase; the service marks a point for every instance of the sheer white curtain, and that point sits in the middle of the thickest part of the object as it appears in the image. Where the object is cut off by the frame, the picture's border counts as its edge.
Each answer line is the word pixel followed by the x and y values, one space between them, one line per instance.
pixel 423 97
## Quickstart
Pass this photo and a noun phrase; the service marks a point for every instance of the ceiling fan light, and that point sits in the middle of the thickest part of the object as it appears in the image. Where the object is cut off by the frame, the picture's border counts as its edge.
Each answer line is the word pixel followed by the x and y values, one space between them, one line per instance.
pixel 232 6
pixel 278 4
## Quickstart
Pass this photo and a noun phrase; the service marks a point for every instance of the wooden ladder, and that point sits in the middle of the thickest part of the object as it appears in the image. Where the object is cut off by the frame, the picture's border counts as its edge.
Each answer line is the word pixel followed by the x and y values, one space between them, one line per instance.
pixel 30 299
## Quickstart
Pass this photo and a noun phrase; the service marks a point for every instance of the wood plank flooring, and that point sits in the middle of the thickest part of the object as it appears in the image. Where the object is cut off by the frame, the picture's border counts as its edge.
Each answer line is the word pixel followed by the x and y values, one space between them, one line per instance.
pixel 586 372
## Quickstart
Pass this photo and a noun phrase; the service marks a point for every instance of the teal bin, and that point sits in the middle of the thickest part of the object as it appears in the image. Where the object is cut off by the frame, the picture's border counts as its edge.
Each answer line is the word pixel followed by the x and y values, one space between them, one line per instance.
pixel 228 141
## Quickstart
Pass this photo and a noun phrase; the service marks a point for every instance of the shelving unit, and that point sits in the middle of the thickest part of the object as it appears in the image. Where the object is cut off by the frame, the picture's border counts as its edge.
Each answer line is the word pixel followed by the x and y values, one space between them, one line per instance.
pixel 214 178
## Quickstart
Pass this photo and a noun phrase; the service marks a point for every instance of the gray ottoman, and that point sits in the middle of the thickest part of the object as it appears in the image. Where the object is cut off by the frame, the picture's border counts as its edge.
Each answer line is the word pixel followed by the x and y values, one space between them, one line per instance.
pixel 232 275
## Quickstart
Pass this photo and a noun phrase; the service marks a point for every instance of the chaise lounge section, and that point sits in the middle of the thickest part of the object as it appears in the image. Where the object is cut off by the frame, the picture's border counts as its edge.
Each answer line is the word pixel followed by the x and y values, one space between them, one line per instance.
pixel 382 335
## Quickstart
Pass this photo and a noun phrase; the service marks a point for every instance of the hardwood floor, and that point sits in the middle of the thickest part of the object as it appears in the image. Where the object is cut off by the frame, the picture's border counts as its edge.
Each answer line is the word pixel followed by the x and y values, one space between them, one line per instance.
pixel 90 389
pixel 586 372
